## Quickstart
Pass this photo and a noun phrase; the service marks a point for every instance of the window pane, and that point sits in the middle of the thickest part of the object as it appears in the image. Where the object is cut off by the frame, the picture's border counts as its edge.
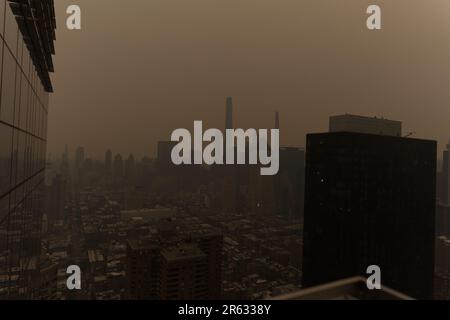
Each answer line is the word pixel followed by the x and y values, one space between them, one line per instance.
pixel 2 15
pixel 26 98
pixel 28 157
pixel 26 63
pixel 21 157
pixel 24 94
pixel 17 99
pixel 15 155
pixel 4 209
pixel 8 89
pixel 11 30
pixel 5 157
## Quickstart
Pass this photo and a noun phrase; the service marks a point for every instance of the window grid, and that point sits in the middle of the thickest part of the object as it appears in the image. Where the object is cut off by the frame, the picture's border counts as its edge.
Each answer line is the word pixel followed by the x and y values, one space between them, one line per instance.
pixel 23 130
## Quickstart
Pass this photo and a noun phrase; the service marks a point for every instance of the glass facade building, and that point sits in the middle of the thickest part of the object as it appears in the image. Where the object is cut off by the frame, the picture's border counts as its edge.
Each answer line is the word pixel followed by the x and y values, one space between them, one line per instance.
pixel 26 48
pixel 370 200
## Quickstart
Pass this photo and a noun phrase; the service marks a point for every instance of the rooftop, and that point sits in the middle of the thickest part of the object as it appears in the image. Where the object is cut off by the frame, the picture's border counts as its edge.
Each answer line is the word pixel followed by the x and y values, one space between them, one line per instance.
pixel 362 124
pixel 184 252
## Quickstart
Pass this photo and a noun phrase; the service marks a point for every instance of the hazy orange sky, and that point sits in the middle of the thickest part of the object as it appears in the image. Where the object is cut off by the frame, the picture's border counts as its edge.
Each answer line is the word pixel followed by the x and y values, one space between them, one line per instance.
pixel 139 69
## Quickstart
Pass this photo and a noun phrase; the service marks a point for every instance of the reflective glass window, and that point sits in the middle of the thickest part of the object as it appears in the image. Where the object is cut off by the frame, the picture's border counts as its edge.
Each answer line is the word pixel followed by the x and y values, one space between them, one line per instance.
pixel 5 157
pixel 11 30
pixel 8 87
pixel 2 16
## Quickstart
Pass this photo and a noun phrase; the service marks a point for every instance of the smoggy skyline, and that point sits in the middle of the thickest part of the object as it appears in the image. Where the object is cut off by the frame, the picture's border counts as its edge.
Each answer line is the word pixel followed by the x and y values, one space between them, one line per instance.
pixel 140 69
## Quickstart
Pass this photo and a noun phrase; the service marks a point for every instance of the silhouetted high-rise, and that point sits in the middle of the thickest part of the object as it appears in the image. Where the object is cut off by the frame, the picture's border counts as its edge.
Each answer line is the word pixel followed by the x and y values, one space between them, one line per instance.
pixel 290 183
pixel 370 200
pixel 445 185
pixel 230 173
pixel 277 120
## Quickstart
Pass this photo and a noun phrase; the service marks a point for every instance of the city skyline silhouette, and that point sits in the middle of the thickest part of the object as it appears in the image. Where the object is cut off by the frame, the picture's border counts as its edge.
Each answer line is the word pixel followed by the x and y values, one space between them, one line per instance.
pixel 175 62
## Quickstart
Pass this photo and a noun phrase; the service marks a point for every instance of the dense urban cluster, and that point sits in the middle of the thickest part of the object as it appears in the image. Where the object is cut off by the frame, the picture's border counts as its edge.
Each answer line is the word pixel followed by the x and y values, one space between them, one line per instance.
pixel 151 230
pixel 129 237
pixel 362 194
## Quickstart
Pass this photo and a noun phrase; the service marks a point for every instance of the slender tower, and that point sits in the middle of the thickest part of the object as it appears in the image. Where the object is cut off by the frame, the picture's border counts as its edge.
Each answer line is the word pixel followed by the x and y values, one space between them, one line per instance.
pixel 277 120
pixel 229 114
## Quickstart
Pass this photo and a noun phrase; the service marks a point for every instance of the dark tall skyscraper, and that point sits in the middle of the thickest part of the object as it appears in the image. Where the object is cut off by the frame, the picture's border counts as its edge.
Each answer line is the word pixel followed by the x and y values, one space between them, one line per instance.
pixel 229 114
pixel 444 190
pixel 370 200
pixel 229 174
pixel 26 60
pixel 290 183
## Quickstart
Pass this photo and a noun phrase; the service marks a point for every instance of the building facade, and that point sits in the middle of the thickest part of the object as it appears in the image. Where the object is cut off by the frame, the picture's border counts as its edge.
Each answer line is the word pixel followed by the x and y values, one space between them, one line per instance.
pixel 186 266
pixel 444 195
pixel 361 124
pixel 370 200
pixel 290 183
pixel 27 32
pixel 183 273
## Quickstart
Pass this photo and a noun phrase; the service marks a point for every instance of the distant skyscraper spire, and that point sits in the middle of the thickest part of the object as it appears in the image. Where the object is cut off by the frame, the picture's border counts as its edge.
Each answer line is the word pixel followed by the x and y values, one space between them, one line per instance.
pixel 229 114
pixel 277 120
